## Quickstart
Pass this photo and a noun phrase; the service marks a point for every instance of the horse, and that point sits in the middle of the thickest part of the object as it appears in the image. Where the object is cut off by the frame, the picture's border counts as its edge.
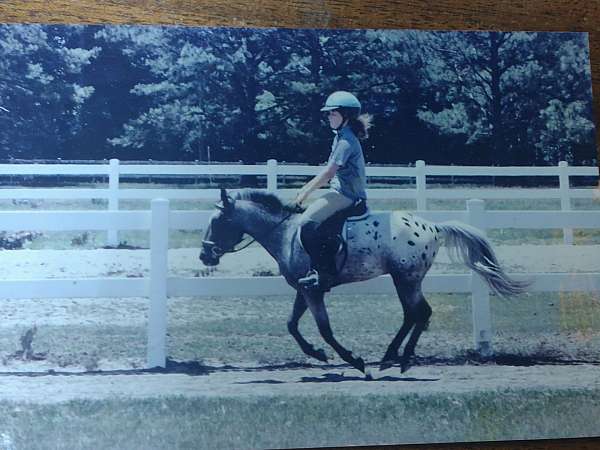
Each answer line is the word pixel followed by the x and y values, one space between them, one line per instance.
pixel 395 243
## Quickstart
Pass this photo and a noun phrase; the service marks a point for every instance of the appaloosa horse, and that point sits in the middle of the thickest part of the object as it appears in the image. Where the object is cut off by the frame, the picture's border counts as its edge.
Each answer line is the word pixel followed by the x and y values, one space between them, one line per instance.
pixel 395 243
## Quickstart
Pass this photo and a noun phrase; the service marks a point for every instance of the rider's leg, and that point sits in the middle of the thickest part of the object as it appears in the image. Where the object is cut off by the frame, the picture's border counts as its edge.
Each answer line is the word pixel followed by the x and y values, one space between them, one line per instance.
pixel 315 239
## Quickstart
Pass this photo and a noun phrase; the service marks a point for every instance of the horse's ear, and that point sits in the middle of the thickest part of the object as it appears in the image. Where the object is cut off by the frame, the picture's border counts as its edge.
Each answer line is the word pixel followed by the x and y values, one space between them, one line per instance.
pixel 226 201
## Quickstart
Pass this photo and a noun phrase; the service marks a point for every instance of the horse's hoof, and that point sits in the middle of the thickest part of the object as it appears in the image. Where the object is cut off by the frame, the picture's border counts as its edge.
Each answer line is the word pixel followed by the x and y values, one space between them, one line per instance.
pixel 406 363
pixel 319 355
pixel 359 364
pixel 368 376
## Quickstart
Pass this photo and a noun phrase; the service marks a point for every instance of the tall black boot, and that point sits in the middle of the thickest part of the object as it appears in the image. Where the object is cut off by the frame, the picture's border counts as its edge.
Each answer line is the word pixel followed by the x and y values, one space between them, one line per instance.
pixel 321 248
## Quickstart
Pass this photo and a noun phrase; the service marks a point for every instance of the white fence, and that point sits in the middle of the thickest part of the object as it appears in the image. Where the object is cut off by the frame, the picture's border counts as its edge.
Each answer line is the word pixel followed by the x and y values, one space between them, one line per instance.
pixel 159 286
pixel 115 170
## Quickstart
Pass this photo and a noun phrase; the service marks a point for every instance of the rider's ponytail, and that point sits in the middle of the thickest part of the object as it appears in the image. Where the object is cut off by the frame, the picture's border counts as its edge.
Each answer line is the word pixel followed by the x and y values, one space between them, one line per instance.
pixel 360 125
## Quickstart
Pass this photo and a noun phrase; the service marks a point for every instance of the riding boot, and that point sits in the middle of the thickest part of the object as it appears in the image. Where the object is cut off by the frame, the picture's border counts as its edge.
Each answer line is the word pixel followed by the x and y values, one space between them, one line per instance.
pixel 309 236
pixel 320 248
pixel 326 266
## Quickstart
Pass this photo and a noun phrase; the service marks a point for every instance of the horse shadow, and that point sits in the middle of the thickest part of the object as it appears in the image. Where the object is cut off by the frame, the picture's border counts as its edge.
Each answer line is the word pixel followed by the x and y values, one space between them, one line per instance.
pixel 334 373
pixel 339 378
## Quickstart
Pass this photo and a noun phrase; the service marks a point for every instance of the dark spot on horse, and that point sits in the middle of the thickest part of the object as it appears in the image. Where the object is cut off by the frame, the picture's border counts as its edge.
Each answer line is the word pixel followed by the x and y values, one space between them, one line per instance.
pixel 424 256
pixel 434 254
pixel 403 261
pixel 368 232
pixel 416 223
pixel 437 229
pixel 426 247
pixel 424 227
pixel 376 223
pixel 431 229
pixel 411 243
pixel 436 238
pixel 376 236
pixel 394 238
pixel 407 224
pixel 416 234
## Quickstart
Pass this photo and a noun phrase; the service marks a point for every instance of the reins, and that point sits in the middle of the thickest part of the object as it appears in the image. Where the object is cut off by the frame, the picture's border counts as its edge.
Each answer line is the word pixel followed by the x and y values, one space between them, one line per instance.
pixel 253 240
pixel 213 246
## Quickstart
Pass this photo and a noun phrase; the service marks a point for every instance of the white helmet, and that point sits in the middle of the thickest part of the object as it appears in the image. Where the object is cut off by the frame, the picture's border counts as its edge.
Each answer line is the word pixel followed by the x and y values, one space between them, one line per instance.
pixel 342 99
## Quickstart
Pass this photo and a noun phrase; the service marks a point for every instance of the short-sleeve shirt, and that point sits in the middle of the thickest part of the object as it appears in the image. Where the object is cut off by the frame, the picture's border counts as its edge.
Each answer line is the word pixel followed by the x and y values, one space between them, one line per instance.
pixel 350 179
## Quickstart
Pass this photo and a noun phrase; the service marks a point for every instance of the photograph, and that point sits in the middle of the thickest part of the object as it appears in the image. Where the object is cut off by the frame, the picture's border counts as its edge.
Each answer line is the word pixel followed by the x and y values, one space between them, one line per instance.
pixel 296 238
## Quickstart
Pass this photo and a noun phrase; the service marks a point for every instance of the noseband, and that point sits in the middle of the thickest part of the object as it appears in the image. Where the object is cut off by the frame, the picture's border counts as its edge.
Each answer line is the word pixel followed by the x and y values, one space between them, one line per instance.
pixel 213 249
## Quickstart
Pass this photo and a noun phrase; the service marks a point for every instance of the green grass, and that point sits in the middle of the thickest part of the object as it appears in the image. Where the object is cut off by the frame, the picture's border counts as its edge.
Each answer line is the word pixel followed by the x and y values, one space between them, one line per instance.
pixel 302 421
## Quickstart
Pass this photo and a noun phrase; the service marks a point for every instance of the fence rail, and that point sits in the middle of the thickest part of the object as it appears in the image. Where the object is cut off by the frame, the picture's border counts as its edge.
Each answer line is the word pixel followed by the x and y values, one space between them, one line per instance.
pixel 159 286
pixel 272 170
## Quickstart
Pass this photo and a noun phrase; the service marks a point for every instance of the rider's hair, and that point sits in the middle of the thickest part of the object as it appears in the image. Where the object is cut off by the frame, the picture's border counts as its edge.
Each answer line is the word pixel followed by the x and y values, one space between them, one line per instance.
pixel 359 124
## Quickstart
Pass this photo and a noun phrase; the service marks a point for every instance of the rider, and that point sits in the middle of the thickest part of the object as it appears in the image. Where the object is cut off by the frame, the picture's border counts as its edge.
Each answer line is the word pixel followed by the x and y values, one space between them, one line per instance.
pixel 346 170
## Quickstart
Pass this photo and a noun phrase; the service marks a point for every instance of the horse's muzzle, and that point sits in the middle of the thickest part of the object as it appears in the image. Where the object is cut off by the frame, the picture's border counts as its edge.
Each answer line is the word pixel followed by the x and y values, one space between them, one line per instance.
pixel 208 260
pixel 210 254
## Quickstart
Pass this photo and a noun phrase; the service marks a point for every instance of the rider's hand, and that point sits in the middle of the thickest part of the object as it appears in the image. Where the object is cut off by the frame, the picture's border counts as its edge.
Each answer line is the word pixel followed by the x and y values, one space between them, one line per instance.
pixel 300 198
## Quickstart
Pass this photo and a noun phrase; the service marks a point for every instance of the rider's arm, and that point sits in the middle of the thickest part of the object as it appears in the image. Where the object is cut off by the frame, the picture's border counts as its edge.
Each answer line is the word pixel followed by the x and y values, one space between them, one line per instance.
pixel 317 182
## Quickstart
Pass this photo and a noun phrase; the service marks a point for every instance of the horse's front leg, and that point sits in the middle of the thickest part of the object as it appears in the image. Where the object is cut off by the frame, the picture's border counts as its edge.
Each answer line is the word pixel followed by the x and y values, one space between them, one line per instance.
pixel 316 305
pixel 300 307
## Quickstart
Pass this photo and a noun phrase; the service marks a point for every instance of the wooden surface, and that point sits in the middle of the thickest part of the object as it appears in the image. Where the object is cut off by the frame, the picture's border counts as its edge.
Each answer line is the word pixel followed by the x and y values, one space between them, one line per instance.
pixel 509 15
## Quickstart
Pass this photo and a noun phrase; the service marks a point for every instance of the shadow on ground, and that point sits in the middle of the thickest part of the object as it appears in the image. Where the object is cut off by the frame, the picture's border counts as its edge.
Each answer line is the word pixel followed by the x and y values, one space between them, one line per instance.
pixel 197 368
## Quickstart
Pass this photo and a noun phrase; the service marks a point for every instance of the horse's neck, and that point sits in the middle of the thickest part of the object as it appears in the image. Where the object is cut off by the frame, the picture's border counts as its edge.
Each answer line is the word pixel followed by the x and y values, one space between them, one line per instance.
pixel 269 230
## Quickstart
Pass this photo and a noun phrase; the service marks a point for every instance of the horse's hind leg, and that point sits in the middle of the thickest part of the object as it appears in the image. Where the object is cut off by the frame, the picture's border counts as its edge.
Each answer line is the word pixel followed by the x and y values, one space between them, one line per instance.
pixel 416 317
pixel 405 293
pixel 422 312
pixel 317 308
pixel 300 307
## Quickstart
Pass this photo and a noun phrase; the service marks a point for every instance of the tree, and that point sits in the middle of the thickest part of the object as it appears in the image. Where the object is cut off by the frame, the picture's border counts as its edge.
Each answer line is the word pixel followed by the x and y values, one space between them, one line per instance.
pixel 500 91
pixel 41 93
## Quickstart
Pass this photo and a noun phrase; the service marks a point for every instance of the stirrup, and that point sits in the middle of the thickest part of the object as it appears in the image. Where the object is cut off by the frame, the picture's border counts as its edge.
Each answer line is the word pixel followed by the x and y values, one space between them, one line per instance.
pixel 310 280
pixel 314 281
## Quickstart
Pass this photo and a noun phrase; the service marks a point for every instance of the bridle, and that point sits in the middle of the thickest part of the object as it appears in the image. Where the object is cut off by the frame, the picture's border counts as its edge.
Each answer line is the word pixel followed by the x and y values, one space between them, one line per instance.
pixel 216 251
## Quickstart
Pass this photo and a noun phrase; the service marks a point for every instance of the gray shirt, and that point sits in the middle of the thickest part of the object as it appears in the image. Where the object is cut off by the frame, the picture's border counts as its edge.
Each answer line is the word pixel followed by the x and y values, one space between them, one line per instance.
pixel 350 179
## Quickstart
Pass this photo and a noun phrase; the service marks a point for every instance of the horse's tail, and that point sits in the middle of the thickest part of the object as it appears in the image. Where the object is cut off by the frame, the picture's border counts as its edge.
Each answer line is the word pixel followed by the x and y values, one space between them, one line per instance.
pixel 468 244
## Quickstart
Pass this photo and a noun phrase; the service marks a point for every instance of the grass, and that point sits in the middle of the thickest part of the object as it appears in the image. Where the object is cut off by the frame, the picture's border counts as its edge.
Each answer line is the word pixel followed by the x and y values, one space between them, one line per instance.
pixel 253 330
pixel 302 421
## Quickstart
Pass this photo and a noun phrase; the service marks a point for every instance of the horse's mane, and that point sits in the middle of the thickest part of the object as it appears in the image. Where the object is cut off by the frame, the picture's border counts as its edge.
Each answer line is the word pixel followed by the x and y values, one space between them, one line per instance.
pixel 269 201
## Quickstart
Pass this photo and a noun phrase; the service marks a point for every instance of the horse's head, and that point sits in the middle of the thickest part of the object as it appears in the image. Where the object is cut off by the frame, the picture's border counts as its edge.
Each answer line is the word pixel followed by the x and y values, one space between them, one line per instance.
pixel 222 234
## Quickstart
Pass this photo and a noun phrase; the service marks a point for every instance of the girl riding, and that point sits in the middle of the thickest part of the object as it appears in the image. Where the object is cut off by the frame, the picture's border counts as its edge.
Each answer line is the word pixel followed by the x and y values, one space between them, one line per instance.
pixel 346 170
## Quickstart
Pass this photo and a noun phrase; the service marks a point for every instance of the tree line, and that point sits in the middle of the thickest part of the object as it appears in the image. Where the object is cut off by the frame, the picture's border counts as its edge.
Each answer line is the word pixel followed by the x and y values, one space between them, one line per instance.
pixel 223 94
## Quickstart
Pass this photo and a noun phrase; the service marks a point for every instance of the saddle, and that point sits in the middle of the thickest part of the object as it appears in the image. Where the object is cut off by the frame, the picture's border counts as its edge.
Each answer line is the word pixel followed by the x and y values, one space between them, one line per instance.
pixel 336 228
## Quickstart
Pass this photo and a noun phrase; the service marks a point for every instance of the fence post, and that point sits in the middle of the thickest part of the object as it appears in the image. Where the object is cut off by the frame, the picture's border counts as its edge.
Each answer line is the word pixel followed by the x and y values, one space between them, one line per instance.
pixel 480 294
pixel 113 199
pixel 159 269
pixel 272 175
pixel 421 181
pixel 565 199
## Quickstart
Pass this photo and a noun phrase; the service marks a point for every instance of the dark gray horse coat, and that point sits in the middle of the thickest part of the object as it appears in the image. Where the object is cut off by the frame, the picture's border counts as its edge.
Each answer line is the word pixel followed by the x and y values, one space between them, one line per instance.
pixel 394 243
